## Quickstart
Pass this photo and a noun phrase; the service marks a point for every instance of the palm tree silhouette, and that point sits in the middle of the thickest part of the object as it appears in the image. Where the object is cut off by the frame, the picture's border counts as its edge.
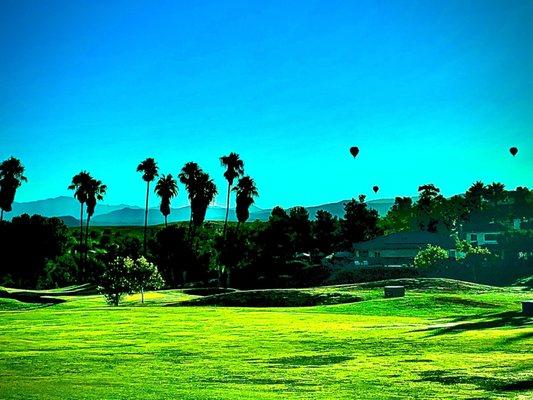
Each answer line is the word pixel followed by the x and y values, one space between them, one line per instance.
pixel 188 177
pixel 11 177
pixel 205 191
pixel 245 190
pixel 95 192
pixel 80 184
pixel 149 169
pixel 166 188
pixel 234 168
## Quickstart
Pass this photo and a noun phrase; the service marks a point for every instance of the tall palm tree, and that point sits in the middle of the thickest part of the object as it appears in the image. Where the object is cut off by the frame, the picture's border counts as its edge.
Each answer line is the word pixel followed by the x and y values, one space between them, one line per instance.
pixel 166 188
pixel 246 191
pixel 11 177
pixel 204 194
pixel 149 169
pixel 79 184
pixel 95 192
pixel 234 168
pixel 188 177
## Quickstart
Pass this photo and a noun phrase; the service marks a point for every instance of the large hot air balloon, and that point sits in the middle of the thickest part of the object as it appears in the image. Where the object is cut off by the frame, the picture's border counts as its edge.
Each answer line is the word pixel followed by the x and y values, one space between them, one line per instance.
pixel 354 151
pixel 375 189
pixel 513 151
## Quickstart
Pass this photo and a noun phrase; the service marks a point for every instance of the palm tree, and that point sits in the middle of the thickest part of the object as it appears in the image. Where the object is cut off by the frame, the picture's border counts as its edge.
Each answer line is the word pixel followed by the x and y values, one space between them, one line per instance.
pixel 149 169
pixel 495 193
pixel 245 191
pixel 234 168
pixel 11 177
pixel 95 192
pixel 204 194
pixel 80 183
pixel 188 177
pixel 474 196
pixel 166 188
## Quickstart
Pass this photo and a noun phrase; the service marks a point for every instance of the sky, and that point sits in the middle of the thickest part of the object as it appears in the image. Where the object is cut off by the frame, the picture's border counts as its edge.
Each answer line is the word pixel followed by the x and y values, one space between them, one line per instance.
pixel 430 91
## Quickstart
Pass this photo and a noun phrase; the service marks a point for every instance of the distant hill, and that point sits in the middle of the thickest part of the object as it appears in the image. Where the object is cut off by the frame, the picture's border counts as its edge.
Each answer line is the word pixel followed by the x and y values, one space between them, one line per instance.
pixel 68 208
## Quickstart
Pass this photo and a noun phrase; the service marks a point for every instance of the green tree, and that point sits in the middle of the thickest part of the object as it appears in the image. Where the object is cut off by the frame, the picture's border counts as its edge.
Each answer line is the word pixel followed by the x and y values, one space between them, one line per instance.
pixel 11 178
pixel 427 207
pixel 300 229
pixel 204 194
pixel 149 171
pixel 325 231
pixel 400 217
pixel 80 184
pixel 495 193
pixel 95 192
pixel 431 256
pixel 246 191
pixel 234 168
pixel 360 223
pixel 474 196
pixel 166 188
pixel 115 280
pixel 143 275
pixel 189 177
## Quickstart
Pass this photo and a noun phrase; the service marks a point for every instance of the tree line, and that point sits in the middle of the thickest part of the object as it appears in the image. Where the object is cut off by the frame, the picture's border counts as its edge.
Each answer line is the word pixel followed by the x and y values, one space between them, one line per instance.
pixel 286 250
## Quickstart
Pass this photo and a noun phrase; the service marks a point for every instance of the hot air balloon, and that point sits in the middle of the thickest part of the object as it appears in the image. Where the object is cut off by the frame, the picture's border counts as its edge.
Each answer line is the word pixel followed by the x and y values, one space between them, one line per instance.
pixel 513 151
pixel 375 189
pixel 354 151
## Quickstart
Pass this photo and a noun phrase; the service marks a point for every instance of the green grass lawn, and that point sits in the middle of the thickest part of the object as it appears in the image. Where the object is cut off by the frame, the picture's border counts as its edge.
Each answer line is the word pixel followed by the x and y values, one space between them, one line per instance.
pixel 460 344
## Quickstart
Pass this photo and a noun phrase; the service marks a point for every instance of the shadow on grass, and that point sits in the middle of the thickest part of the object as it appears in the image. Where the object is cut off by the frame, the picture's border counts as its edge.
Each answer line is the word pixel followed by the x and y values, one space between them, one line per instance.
pixel 486 383
pixel 26 297
pixel 487 321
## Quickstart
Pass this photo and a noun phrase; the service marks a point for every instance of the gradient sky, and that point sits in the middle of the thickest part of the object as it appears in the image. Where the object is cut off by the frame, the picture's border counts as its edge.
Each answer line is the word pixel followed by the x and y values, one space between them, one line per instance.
pixel 430 92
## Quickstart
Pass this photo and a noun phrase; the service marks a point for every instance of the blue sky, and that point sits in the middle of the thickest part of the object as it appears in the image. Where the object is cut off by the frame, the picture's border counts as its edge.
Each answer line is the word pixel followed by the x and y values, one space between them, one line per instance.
pixel 430 91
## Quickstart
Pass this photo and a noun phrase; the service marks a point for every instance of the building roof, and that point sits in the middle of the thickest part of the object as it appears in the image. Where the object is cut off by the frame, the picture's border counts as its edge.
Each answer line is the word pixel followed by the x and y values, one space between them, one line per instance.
pixel 484 226
pixel 406 240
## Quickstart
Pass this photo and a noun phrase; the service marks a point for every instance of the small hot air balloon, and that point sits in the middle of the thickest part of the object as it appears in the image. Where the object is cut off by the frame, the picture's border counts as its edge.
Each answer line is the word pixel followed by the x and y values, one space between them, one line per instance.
pixel 354 151
pixel 513 151
pixel 375 189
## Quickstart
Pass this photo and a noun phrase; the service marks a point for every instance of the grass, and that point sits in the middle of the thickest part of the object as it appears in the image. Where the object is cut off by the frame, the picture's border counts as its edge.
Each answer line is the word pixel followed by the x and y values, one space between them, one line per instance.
pixel 451 342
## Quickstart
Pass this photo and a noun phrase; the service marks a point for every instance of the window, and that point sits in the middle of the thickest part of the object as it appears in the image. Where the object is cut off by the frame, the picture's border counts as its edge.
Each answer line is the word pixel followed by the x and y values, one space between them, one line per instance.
pixel 376 254
pixel 491 237
pixel 473 237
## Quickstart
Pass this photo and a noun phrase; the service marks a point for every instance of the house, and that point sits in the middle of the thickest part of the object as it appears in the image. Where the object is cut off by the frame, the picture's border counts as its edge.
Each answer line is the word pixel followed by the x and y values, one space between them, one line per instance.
pixel 483 233
pixel 399 249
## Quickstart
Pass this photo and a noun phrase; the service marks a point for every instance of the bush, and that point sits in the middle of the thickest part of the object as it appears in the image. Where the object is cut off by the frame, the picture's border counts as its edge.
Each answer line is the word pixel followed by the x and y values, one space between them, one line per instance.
pixel 125 275
pixel 60 272
pixel 431 256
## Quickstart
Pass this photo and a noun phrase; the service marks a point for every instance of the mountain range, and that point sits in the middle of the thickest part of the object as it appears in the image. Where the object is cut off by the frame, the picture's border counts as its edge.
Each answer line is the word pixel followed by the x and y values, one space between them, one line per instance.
pixel 68 209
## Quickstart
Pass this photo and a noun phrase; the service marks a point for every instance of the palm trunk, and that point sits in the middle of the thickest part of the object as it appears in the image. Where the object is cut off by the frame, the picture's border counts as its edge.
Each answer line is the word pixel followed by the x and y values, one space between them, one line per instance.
pixel 166 222
pixel 146 216
pixel 87 237
pixel 81 232
pixel 1 214
pixel 227 211
pixel 142 295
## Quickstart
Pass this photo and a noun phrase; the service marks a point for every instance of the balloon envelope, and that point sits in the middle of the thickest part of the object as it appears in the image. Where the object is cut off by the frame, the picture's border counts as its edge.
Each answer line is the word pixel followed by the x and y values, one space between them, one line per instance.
pixel 375 189
pixel 354 151
pixel 513 151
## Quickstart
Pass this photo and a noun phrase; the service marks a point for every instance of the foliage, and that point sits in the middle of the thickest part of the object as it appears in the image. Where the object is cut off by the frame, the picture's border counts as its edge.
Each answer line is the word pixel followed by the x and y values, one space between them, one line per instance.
pixel 11 178
pixel 27 244
pixel 115 281
pixel 326 231
pixel 360 223
pixel 143 275
pixel 430 256
pixel 166 188
pixel 246 191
